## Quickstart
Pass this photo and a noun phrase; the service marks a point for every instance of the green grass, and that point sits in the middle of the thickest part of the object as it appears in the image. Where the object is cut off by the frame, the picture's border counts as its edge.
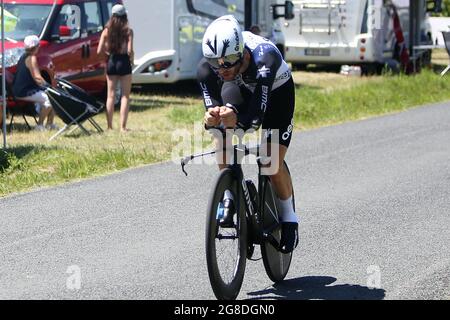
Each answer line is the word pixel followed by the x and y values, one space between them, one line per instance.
pixel 321 99
pixel 319 105
pixel 186 115
pixel 394 93
pixel 27 165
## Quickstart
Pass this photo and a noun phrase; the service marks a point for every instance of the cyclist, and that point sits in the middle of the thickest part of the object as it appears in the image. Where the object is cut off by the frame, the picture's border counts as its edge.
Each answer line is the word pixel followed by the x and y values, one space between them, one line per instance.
pixel 246 84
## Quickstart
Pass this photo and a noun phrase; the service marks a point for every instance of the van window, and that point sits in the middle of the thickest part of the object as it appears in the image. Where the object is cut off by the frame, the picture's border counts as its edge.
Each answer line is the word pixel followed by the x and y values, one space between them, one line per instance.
pixel 70 16
pixel 22 20
pixel 93 22
pixel 216 8
pixel 108 9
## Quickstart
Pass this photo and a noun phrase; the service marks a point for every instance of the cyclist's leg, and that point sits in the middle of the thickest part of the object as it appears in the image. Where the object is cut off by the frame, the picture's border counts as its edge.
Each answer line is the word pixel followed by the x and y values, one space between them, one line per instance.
pixel 281 180
pixel 278 127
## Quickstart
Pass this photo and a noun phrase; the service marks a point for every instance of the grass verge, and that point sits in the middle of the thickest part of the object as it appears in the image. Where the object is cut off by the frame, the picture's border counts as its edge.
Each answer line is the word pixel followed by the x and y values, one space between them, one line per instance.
pixel 321 99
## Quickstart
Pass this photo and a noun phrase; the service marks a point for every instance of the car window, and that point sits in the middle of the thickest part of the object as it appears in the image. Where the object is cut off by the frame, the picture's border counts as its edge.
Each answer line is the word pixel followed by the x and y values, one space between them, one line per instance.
pixel 70 16
pixel 93 22
pixel 216 8
pixel 22 20
pixel 109 5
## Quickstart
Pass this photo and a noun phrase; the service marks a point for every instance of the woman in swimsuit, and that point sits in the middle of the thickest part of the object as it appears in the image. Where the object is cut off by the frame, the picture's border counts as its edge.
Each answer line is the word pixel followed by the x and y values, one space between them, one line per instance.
pixel 117 43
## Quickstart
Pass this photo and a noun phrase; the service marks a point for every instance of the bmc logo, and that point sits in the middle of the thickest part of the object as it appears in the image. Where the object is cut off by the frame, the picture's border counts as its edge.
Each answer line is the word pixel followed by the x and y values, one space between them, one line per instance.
pixel 264 98
pixel 206 96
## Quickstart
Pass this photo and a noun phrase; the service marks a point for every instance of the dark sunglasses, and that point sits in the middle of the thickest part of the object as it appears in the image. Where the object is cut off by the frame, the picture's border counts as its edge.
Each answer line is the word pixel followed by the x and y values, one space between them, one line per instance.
pixel 225 62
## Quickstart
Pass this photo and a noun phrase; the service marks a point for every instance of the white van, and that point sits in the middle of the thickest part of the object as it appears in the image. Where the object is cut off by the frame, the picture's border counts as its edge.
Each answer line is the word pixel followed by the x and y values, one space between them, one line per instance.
pixel 169 33
pixel 349 31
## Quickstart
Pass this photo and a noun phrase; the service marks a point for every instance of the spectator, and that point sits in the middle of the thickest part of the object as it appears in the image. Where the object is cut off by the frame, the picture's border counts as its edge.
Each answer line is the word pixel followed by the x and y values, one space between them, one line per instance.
pixel 117 43
pixel 28 82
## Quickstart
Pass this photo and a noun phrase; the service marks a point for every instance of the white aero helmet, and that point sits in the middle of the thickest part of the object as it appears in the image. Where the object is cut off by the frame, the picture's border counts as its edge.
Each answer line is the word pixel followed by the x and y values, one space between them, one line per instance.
pixel 223 43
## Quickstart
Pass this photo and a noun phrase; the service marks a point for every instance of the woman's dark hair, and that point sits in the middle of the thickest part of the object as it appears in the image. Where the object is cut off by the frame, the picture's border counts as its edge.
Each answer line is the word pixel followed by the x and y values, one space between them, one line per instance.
pixel 30 51
pixel 118 32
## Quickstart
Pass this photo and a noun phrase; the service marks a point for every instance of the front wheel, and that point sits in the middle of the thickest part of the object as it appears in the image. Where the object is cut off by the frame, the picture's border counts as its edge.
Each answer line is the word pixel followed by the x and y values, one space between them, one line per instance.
pixel 226 248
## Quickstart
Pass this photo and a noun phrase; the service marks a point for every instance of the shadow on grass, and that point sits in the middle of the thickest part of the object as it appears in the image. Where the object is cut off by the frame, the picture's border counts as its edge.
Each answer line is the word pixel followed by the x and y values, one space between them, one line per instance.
pixel 299 86
pixel 148 103
pixel 18 124
pixel 10 155
pixel 315 68
pixel 20 127
pixel 317 287
pixel 438 68
pixel 184 88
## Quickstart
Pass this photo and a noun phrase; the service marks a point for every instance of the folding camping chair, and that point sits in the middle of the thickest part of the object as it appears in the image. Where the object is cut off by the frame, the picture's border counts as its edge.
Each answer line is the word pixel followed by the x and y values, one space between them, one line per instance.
pixel 21 108
pixel 73 110
pixel 16 106
pixel 82 95
pixel 446 35
pixel 78 93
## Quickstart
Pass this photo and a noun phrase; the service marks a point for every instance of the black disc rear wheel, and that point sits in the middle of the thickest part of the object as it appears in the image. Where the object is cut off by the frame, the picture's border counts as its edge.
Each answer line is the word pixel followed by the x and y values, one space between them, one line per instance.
pixel 276 263
pixel 226 248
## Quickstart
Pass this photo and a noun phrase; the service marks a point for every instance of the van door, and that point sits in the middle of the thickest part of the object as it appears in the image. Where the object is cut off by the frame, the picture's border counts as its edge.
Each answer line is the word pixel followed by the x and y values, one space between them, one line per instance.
pixel 93 64
pixel 67 51
pixel 189 50
pixel 191 29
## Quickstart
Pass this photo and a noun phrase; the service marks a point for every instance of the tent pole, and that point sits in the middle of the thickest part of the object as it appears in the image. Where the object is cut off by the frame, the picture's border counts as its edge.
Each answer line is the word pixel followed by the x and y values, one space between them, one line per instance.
pixel 3 76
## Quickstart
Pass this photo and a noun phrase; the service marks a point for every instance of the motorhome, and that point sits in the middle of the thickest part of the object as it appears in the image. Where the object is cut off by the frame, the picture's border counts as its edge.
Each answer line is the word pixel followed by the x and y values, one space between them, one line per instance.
pixel 439 25
pixel 351 31
pixel 168 33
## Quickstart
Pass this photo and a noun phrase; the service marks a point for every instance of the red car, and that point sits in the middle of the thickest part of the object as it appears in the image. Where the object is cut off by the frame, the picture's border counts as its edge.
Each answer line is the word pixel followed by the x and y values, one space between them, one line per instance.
pixel 69 31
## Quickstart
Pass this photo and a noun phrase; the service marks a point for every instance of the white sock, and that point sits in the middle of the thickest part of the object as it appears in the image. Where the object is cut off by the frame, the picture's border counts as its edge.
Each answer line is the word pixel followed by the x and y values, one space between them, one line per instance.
pixel 227 195
pixel 287 212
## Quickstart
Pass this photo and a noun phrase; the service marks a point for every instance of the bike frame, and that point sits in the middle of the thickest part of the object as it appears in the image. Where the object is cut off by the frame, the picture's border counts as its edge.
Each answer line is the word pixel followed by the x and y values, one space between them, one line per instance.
pixel 240 151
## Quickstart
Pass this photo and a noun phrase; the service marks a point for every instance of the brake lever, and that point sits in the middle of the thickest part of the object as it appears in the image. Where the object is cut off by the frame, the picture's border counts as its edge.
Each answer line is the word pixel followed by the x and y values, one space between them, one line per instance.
pixel 184 161
pixel 182 169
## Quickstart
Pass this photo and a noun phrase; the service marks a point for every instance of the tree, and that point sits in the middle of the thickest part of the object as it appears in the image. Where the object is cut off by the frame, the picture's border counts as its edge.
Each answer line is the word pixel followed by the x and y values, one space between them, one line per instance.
pixel 445 9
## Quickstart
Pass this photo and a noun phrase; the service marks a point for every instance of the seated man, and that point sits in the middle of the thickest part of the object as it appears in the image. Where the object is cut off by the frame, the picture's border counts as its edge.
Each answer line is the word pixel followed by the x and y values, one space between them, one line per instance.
pixel 28 81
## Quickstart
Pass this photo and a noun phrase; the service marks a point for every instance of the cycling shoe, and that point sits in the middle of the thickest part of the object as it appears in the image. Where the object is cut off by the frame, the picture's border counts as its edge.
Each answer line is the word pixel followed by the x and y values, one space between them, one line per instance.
pixel 289 237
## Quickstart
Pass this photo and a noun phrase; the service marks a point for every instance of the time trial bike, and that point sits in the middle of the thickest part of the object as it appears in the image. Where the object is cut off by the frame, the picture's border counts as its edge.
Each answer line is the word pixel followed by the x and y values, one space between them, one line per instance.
pixel 256 221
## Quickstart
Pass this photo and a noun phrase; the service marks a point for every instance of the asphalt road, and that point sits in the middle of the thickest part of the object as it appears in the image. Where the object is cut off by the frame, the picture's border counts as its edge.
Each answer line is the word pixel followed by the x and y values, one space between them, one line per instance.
pixel 374 206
